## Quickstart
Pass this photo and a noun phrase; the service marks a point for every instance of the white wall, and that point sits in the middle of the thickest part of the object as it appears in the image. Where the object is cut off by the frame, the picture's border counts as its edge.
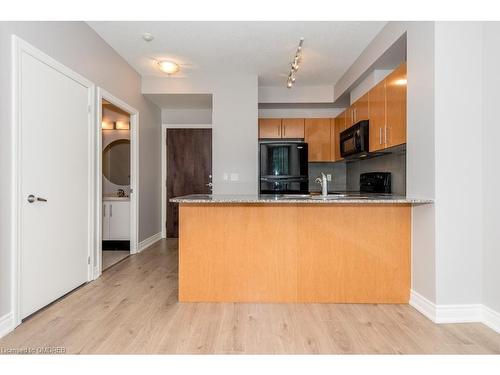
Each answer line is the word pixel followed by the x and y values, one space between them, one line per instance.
pixel 81 49
pixel 234 124
pixel 186 116
pixel 490 162
pixel 296 94
pixel 458 66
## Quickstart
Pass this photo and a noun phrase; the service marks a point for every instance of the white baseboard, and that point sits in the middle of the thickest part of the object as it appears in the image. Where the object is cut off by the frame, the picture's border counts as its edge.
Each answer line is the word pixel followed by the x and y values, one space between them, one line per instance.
pixel 491 318
pixel 423 305
pixel 455 313
pixel 149 241
pixel 6 324
pixel 458 313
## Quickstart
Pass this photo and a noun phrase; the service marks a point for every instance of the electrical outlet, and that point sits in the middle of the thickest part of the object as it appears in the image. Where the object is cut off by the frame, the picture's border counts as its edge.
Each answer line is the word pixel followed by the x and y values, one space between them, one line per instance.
pixel 235 176
pixel 328 177
pixel 224 176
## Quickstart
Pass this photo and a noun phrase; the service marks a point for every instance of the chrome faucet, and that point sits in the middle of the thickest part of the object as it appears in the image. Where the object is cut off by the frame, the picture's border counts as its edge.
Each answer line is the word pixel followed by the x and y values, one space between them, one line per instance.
pixel 324 184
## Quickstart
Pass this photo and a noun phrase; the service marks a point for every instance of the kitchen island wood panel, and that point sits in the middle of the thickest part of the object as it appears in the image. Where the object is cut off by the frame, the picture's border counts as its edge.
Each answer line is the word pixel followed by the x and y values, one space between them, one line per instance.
pixel 294 253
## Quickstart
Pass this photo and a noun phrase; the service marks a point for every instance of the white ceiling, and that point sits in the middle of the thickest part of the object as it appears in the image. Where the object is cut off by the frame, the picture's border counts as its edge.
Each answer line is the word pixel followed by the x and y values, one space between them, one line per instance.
pixel 262 48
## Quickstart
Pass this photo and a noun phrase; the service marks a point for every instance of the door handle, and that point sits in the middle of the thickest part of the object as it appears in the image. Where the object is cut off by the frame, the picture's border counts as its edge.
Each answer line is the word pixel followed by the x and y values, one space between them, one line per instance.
pixel 209 184
pixel 104 210
pixel 32 199
pixel 110 210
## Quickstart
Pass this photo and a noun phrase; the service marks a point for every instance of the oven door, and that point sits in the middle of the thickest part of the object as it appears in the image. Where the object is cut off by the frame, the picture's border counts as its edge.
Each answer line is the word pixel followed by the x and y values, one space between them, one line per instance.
pixel 283 160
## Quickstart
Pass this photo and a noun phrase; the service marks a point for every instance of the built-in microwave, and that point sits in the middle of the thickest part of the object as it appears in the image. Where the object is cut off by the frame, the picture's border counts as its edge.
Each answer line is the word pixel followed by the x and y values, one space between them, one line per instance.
pixel 355 140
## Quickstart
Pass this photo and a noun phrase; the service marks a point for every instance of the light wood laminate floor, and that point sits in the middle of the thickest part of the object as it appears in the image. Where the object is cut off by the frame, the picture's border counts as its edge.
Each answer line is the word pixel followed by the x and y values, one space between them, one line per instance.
pixel 133 308
pixel 111 257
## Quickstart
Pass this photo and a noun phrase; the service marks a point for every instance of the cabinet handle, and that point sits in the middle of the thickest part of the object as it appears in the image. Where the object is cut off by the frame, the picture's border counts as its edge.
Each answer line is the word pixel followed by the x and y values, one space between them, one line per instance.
pixel 385 134
pixel 284 130
pixel 110 210
pixel 279 130
pixel 380 136
pixel 355 114
pixel 104 210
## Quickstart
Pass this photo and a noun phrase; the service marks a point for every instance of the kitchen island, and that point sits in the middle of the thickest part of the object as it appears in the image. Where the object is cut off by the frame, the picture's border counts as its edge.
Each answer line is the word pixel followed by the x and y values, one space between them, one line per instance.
pixel 340 249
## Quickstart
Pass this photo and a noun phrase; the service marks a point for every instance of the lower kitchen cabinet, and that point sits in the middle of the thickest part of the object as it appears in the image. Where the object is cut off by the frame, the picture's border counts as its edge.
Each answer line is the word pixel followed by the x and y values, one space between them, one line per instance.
pixel 116 220
pixel 318 137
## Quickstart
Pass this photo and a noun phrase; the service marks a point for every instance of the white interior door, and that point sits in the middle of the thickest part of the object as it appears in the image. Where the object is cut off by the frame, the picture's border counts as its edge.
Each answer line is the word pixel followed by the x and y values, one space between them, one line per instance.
pixel 54 162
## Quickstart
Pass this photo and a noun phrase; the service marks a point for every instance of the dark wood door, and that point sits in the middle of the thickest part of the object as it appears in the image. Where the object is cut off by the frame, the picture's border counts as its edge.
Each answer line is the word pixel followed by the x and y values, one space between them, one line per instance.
pixel 189 169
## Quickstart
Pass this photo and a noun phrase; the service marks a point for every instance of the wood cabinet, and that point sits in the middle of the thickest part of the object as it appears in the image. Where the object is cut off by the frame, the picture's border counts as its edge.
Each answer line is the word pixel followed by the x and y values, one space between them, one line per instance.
pixel 116 220
pixel 362 108
pixel 387 104
pixel 281 128
pixel 377 117
pixel 395 93
pixel 292 128
pixel 270 128
pixel 336 127
pixel 318 137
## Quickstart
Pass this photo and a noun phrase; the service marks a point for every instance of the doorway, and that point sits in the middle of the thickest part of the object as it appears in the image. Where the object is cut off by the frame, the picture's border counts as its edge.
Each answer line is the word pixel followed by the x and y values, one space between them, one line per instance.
pixel 188 169
pixel 117 176
pixel 115 184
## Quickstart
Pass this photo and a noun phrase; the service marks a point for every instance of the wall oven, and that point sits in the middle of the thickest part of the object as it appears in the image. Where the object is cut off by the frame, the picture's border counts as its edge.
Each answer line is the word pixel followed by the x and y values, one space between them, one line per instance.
pixel 283 168
pixel 354 141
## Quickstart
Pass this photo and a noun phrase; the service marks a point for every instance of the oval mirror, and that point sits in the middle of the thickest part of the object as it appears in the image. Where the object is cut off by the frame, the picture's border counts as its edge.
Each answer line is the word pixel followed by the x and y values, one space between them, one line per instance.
pixel 116 162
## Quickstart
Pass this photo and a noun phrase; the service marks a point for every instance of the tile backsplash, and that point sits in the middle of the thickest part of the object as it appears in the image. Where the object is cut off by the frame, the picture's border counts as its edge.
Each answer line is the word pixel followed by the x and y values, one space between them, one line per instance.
pixel 394 163
pixel 345 174
pixel 337 170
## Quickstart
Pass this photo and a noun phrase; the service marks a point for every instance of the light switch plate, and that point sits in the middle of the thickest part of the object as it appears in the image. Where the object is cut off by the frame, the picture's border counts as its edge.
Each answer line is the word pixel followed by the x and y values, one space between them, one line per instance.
pixel 328 177
pixel 224 176
pixel 235 176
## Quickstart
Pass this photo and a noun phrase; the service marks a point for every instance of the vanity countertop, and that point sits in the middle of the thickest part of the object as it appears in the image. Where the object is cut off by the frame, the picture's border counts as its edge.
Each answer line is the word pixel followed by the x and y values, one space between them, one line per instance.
pixel 115 198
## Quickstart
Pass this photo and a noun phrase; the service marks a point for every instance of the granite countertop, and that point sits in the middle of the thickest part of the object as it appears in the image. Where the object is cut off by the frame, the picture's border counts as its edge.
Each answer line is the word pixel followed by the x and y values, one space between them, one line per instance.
pixel 300 199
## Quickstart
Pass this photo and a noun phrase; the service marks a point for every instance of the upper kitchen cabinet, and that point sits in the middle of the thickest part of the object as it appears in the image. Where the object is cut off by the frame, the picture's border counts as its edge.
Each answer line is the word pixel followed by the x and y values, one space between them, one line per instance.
pixel 335 124
pixel 281 128
pixel 270 128
pixel 361 109
pixel 395 92
pixel 318 137
pixel 292 128
pixel 377 129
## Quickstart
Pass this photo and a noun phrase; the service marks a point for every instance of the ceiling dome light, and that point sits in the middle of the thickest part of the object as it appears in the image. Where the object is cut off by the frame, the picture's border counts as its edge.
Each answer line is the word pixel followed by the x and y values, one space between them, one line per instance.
pixel 148 37
pixel 168 67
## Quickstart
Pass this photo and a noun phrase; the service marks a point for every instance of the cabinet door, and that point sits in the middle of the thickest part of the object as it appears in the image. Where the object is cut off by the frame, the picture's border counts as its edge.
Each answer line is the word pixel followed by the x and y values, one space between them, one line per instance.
pixel 377 117
pixel 270 128
pixel 333 139
pixel 292 128
pixel 362 108
pixel 119 220
pixel 105 221
pixel 342 121
pixel 318 138
pixel 349 117
pixel 396 107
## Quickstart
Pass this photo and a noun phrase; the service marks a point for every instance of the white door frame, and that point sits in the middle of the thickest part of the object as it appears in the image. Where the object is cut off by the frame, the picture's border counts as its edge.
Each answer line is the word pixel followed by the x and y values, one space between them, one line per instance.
pixel 134 175
pixel 164 128
pixel 20 46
